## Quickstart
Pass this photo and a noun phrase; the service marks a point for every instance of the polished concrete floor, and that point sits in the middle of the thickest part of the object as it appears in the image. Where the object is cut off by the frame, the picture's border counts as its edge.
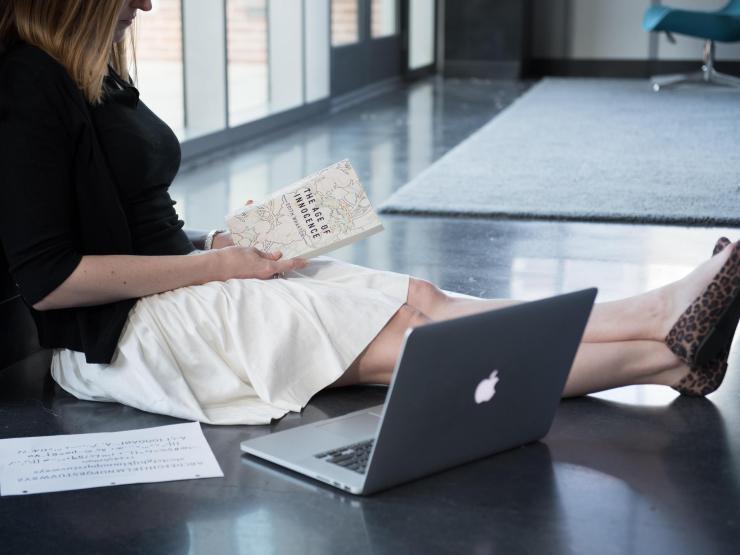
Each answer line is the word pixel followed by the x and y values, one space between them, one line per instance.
pixel 633 470
pixel 389 140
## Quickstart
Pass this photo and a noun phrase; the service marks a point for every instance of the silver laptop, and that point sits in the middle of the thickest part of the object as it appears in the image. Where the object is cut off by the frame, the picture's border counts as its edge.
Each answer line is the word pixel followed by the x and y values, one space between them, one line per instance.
pixel 462 389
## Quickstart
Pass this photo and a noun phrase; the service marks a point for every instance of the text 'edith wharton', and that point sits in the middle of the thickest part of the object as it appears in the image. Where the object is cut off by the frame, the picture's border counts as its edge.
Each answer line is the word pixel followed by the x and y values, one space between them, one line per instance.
pixel 311 213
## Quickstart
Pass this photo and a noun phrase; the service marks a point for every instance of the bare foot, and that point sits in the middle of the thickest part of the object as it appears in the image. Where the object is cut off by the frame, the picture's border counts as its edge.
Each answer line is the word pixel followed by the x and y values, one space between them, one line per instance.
pixel 671 376
pixel 677 296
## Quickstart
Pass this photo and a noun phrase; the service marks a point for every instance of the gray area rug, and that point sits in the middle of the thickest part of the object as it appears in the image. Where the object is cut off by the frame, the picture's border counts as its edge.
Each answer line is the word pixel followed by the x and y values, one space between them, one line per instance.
pixel 593 150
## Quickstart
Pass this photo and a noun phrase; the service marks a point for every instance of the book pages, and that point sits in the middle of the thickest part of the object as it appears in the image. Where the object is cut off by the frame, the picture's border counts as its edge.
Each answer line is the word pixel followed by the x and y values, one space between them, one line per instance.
pixel 321 212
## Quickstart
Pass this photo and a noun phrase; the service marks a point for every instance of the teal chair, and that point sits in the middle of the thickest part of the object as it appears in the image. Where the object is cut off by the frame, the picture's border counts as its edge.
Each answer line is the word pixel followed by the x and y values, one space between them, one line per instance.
pixel 722 25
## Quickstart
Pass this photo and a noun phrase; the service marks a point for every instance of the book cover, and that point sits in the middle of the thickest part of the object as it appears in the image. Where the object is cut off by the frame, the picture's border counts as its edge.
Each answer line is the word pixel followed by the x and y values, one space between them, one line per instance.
pixel 322 212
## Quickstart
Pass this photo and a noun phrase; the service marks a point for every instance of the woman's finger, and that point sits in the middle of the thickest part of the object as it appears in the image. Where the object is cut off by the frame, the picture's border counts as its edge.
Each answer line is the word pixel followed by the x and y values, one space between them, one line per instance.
pixel 282 266
pixel 299 263
pixel 275 255
pixel 278 268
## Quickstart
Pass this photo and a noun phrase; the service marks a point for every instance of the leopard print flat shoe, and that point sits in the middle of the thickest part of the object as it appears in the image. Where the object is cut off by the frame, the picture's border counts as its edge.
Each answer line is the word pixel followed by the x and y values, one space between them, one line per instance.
pixel 703 380
pixel 709 323
pixel 722 242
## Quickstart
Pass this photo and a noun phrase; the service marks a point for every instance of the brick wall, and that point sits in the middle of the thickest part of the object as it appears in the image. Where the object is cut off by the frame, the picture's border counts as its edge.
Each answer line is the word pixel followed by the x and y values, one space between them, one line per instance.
pixel 247 31
pixel 343 21
pixel 159 32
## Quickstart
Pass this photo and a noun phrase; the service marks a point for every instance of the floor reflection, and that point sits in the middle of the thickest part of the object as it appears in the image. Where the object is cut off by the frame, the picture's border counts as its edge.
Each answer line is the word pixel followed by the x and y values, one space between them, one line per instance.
pixel 636 468
pixel 389 140
pixel 644 395
pixel 533 278
pixel 632 478
pixel 409 517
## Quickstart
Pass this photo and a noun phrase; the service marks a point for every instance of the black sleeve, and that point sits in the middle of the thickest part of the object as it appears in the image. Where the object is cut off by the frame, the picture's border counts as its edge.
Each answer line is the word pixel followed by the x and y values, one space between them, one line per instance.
pixel 37 208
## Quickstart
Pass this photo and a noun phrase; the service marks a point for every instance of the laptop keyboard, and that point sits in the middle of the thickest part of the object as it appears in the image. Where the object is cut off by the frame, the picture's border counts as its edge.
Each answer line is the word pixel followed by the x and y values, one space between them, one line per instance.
pixel 352 457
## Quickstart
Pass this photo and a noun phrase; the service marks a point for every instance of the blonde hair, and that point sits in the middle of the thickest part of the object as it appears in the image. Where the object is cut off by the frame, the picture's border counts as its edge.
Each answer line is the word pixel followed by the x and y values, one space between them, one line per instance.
pixel 77 33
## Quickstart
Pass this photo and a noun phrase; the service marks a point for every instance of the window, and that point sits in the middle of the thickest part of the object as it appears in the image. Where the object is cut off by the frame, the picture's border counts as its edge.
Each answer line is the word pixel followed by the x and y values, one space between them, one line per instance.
pixel 345 27
pixel 421 33
pixel 159 62
pixel 204 40
pixel 248 76
pixel 382 18
pixel 204 67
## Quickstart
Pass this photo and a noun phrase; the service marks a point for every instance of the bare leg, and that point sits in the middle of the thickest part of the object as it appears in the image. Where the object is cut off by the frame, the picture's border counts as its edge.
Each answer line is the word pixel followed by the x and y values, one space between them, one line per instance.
pixel 597 366
pixel 600 366
pixel 648 316
pixel 622 345
pixel 375 364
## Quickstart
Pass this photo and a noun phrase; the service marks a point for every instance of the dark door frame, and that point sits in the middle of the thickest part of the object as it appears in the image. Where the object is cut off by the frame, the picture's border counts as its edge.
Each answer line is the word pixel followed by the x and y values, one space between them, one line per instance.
pixel 370 60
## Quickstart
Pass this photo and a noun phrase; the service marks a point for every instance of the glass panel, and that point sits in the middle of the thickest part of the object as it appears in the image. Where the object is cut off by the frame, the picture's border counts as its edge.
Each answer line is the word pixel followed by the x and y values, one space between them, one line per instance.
pixel 204 40
pixel 246 31
pixel 345 28
pixel 286 54
pixel 383 18
pixel 159 61
pixel 421 33
pixel 316 72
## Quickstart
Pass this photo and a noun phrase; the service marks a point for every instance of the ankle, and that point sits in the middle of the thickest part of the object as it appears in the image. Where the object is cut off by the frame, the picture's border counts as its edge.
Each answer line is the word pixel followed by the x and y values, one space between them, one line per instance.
pixel 670 376
pixel 661 314
pixel 661 367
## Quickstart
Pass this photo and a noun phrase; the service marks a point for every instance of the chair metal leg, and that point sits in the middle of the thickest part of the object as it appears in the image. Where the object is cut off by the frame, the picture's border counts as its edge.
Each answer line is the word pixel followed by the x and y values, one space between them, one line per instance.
pixel 707 74
pixel 708 57
pixel 669 81
pixel 724 79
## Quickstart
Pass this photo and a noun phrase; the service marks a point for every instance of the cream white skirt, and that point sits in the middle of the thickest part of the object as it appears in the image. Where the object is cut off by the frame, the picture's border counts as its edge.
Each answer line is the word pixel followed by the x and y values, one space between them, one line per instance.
pixel 244 351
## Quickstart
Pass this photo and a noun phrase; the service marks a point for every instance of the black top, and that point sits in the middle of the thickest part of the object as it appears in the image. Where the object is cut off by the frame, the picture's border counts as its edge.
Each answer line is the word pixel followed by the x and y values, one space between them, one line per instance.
pixel 143 155
pixel 60 197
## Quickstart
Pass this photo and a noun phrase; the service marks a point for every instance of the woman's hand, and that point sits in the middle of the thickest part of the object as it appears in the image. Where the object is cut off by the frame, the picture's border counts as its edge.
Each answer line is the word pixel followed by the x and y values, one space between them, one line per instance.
pixel 248 262
pixel 222 240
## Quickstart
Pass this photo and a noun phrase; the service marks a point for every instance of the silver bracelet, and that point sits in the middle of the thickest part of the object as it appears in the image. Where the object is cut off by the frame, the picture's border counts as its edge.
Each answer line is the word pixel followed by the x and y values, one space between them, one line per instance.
pixel 208 243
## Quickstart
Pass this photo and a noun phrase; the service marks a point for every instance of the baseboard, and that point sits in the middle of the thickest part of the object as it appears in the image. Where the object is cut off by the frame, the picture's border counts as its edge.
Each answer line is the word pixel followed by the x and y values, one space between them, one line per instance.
pixel 420 73
pixel 205 149
pixel 344 101
pixel 542 67
pixel 483 69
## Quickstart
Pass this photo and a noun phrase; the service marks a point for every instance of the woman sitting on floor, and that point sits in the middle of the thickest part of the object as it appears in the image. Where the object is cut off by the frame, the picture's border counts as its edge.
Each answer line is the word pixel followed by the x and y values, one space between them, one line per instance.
pixel 99 254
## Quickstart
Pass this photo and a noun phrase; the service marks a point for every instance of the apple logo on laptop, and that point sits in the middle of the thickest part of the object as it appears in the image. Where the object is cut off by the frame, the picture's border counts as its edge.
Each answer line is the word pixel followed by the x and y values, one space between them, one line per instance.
pixel 487 388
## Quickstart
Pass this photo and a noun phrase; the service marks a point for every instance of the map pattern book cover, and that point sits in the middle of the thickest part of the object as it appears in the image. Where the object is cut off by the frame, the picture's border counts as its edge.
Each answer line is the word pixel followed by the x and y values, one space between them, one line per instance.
pixel 322 212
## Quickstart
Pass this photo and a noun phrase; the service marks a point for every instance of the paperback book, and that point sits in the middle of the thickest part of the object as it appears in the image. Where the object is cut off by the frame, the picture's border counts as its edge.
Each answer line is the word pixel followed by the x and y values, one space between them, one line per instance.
pixel 318 214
